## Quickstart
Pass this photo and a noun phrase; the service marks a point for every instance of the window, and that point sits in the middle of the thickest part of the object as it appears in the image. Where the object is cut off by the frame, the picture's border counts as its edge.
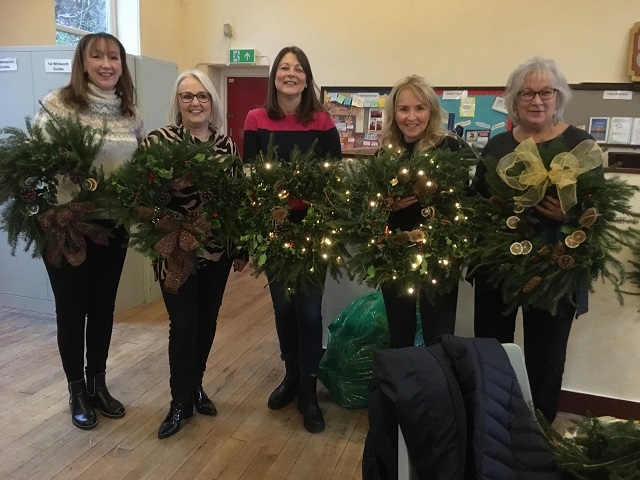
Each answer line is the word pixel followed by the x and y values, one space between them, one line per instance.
pixel 75 18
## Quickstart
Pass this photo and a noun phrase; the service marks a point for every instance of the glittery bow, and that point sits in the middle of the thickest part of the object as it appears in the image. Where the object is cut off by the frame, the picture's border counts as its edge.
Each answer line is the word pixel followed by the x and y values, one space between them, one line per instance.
pixel 177 246
pixel 66 229
pixel 523 169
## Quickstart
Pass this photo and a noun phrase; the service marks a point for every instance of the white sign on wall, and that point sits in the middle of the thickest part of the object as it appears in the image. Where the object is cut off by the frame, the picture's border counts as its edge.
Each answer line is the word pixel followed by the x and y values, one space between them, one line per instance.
pixel 57 65
pixel 7 64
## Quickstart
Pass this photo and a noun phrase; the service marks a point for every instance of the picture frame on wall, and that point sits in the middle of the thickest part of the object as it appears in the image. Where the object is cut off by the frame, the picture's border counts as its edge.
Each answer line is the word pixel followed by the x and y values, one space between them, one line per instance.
pixel 599 128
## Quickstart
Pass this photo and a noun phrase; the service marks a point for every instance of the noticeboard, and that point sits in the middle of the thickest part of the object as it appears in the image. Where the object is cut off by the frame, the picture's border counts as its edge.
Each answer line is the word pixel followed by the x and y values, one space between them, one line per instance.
pixel 358 112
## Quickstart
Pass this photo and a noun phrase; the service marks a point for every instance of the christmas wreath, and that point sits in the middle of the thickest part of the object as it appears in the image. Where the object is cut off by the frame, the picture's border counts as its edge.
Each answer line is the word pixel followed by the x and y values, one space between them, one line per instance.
pixel 596 449
pixel 541 270
pixel 298 252
pixel 433 253
pixel 143 190
pixel 35 164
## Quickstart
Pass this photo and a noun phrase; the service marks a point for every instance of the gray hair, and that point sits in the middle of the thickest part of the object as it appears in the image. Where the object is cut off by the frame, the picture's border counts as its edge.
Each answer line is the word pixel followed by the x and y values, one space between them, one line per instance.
pixel 174 107
pixel 537 66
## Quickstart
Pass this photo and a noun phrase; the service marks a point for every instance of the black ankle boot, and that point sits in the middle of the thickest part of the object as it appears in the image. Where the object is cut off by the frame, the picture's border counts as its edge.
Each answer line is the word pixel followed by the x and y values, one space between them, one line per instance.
pixel 203 403
pixel 284 393
pixel 178 411
pixel 102 399
pixel 308 404
pixel 82 414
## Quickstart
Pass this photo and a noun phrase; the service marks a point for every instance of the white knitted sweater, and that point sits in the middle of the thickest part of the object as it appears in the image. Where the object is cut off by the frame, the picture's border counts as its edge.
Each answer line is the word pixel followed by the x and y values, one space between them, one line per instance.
pixel 124 133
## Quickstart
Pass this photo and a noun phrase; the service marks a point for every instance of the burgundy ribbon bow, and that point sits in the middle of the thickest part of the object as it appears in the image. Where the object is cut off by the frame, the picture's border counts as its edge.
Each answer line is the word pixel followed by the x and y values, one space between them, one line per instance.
pixel 66 230
pixel 177 246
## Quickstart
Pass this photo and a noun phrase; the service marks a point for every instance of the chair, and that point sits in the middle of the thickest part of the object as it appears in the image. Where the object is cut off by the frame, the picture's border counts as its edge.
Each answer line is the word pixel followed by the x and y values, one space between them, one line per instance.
pixel 516 358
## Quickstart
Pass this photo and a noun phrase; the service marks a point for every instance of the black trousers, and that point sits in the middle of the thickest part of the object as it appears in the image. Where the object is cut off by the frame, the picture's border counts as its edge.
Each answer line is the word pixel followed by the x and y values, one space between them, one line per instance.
pixel 298 319
pixel 545 341
pixel 85 299
pixel 193 317
pixel 436 319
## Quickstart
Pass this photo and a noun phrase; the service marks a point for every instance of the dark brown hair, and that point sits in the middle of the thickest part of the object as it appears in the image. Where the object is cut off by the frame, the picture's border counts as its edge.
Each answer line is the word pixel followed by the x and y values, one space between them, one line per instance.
pixel 75 93
pixel 309 103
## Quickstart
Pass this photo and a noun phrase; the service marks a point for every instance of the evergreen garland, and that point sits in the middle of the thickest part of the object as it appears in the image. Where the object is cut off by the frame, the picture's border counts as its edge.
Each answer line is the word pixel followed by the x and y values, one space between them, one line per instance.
pixel 533 271
pixel 33 163
pixel 141 191
pixel 432 254
pixel 596 450
pixel 296 252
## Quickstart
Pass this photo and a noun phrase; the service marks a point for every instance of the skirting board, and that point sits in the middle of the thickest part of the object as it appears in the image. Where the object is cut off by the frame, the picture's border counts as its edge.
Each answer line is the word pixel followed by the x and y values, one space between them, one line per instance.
pixel 582 403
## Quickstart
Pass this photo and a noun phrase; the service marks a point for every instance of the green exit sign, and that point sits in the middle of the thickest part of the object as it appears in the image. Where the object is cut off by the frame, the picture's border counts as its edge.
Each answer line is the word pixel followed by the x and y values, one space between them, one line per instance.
pixel 242 56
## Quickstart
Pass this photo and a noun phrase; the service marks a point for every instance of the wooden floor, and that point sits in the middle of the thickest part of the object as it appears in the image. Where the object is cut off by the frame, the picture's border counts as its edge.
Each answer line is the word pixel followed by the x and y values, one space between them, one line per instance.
pixel 245 441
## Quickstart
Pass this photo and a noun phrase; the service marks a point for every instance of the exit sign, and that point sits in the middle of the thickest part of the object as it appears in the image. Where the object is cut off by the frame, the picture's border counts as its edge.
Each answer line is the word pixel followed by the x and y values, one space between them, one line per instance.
pixel 242 56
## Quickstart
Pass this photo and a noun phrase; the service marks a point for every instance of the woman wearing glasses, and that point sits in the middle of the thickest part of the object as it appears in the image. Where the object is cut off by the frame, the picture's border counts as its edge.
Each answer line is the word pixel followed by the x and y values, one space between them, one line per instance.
pixel 193 311
pixel 536 96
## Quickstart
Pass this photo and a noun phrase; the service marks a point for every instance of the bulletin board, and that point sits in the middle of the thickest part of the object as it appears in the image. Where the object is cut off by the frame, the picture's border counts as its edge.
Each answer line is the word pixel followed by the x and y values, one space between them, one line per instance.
pixel 358 113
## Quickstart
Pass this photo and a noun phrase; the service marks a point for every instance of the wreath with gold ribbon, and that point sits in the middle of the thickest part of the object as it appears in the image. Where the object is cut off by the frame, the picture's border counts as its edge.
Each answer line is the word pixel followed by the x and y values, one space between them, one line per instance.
pixel 537 266
pixel 34 164
pixel 428 259
pixel 298 252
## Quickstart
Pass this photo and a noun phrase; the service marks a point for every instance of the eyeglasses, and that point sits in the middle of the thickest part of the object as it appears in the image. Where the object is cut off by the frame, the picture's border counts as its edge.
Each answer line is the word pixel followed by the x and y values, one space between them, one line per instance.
pixel 187 97
pixel 545 94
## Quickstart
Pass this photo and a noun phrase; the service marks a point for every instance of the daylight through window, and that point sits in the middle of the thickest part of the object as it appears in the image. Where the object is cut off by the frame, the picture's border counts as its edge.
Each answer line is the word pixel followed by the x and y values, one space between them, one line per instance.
pixel 75 18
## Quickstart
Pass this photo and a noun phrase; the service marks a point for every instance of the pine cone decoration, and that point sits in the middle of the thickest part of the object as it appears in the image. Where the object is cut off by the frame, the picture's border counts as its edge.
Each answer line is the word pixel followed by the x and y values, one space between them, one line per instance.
pixel 566 261
pixel 192 216
pixel 531 284
pixel 558 250
pixel 424 188
pixel 77 177
pixel 403 176
pixel 206 196
pixel 28 194
pixel 163 198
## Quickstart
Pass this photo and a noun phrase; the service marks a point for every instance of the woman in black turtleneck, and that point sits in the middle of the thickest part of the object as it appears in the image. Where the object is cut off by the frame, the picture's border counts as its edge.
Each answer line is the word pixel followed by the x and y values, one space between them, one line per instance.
pixel 413 121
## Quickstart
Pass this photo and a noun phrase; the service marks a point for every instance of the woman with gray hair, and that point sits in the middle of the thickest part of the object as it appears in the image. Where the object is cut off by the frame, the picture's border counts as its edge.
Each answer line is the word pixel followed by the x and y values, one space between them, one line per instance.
pixel 195 113
pixel 536 96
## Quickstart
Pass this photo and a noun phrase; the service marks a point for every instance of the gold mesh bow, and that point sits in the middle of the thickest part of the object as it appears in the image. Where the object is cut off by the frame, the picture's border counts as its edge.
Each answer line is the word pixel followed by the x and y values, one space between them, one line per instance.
pixel 524 170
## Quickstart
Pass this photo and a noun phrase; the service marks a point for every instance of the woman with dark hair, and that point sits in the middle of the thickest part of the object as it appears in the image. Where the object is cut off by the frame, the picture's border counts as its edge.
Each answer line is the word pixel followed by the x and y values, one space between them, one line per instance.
pixel 294 118
pixel 535 97
pixel 195 113
pixel 101 90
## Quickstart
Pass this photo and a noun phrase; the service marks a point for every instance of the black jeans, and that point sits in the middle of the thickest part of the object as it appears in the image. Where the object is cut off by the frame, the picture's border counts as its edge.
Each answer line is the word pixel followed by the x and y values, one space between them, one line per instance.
pixel 436 319
pixel 88 292
pixel 545 341
pixel 299 325
pixel 193 317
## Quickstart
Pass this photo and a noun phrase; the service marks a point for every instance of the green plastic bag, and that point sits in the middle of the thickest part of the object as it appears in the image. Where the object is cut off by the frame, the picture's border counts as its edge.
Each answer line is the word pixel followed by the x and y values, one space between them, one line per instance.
pixel 354 336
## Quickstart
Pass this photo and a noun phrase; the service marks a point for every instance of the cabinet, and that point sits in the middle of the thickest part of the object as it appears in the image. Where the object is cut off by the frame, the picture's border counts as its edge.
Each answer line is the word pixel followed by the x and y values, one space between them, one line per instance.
pixel 23 280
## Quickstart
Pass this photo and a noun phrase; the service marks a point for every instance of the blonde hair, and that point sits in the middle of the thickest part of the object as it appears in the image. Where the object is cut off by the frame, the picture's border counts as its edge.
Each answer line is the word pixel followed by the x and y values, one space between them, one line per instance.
pixel 434 132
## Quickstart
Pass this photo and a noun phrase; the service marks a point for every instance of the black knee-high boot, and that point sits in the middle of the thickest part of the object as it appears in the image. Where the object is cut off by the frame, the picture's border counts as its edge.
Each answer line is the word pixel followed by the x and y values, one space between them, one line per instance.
pixel 284 393
pixel 102 399
pixel 82 414
pixel 308 403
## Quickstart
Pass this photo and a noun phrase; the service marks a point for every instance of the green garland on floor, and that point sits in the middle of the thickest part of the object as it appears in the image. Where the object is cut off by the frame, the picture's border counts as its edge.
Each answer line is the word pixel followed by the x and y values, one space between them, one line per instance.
pixel 596 450
pixel 141 191
pixel 540 272
pixel 34 162
pixel 296 253
pixel 432 254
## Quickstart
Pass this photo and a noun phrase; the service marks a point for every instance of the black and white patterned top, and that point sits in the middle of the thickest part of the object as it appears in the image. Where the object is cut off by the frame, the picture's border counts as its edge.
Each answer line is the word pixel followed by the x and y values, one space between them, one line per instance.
pixel 188 199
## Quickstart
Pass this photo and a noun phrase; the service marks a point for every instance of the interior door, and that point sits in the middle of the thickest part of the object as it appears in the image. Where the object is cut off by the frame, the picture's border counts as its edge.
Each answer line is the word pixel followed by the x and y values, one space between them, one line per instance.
pixel 243 94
